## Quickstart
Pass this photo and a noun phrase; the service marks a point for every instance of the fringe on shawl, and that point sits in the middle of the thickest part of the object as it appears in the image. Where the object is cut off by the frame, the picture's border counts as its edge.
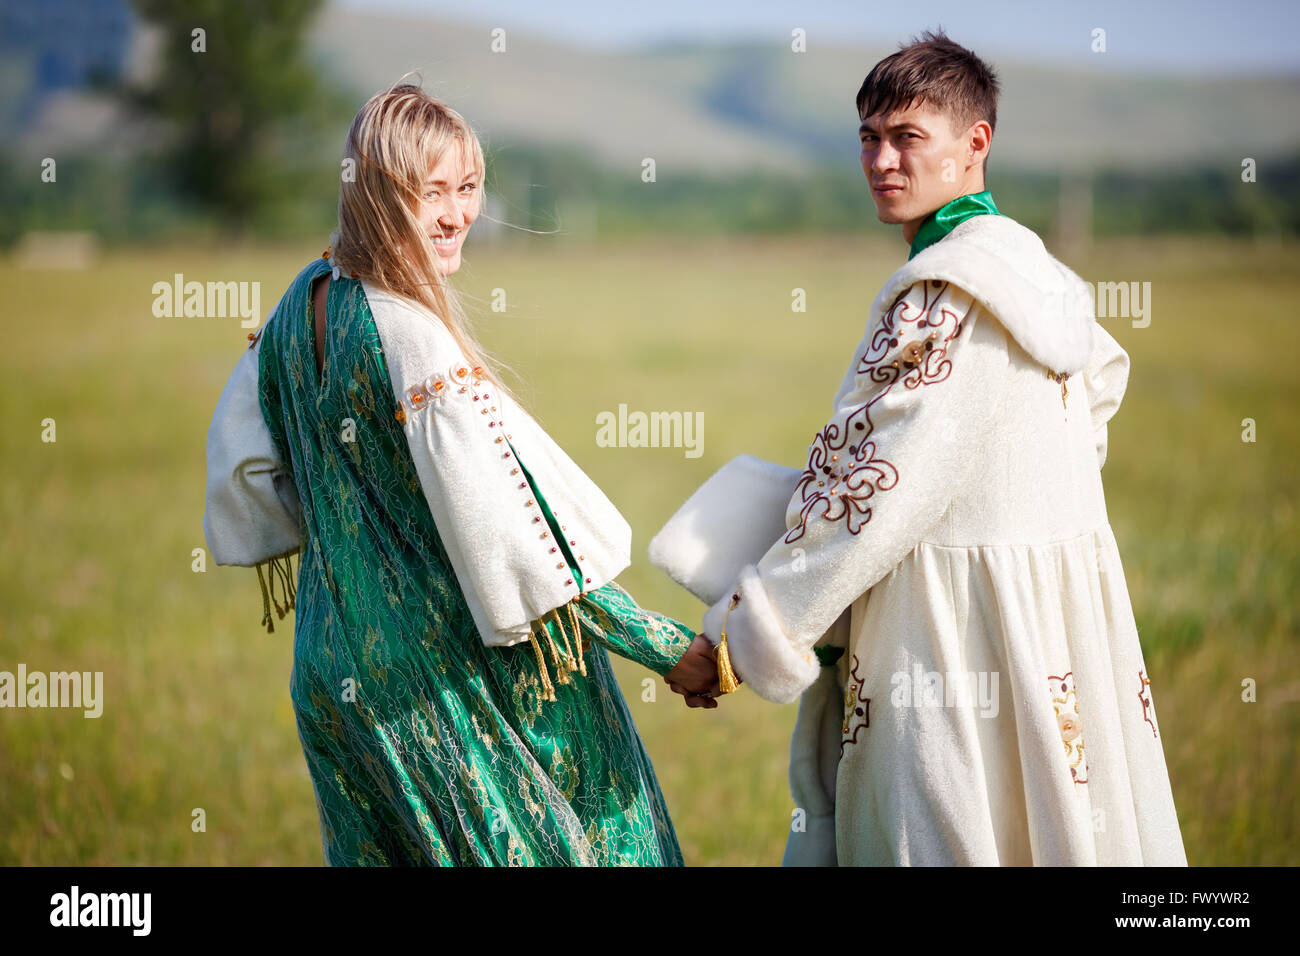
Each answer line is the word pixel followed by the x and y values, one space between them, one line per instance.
pixel 564 662
pixel 277 570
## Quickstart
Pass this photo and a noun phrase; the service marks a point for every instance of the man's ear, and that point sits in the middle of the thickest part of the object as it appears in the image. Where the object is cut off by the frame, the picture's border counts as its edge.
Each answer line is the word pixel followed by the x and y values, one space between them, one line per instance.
pixel 978 140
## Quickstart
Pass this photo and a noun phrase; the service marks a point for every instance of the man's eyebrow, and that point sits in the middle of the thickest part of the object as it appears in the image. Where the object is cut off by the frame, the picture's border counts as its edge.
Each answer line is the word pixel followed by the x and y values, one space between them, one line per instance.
pixel 867 127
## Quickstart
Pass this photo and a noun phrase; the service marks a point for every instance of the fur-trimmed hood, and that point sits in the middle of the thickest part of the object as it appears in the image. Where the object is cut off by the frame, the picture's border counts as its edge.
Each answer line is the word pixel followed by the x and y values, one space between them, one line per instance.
pixel 1043 304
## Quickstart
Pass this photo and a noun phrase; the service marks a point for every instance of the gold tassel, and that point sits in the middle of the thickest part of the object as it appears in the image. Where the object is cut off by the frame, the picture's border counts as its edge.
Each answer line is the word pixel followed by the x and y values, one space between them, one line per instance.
pixel 727 682
pixel 563 661
pixel 548 689
pixel 561 672
pixel 570 661
pixel 577 637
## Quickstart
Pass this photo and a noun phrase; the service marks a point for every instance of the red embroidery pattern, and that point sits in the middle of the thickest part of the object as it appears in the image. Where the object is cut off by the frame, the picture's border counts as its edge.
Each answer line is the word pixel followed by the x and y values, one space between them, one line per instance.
pixel 857 709
pixel 842 478
pixel 1066 704
pixel 1148 705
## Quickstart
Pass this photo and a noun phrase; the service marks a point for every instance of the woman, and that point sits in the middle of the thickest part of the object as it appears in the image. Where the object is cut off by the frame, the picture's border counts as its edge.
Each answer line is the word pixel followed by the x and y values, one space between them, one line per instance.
pixel 451 683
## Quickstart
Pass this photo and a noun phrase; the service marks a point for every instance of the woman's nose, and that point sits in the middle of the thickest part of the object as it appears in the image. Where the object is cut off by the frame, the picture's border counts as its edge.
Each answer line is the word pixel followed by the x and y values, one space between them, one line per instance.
pixel 452 216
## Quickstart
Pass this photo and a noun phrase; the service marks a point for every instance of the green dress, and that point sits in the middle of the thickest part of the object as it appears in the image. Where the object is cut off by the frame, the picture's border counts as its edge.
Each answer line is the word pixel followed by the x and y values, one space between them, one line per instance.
pixel 424 745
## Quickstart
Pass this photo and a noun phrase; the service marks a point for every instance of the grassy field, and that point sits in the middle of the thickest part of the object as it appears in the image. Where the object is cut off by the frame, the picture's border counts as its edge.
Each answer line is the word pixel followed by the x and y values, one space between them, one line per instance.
pixel 99 527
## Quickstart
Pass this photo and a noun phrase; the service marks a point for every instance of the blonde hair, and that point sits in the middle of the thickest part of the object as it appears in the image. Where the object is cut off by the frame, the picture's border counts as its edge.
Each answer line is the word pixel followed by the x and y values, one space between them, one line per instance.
pixel 397 137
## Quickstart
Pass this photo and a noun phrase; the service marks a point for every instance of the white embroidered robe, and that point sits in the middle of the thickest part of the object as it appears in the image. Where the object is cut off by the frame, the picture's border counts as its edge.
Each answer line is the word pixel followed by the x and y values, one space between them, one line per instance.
pixel 992 705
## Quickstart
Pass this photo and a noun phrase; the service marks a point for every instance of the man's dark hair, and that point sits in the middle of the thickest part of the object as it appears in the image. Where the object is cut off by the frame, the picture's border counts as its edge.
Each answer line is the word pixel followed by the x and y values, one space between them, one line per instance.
pixel 938 72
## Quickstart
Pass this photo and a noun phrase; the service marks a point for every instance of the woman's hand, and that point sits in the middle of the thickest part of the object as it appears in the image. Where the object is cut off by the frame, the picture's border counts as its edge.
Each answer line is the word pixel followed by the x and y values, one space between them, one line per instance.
pixel 695 676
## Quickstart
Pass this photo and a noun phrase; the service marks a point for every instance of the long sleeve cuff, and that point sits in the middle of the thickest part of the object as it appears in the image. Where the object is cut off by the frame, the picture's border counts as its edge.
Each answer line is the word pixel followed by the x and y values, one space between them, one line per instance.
pixel 610 616
pixel 761 654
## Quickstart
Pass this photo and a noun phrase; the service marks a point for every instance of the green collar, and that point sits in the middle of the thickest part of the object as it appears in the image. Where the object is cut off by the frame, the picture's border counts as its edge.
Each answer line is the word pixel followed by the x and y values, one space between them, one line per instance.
pixel 944 219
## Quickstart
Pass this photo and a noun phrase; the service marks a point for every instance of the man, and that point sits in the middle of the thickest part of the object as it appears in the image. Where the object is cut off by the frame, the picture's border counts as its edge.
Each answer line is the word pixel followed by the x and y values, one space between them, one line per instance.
pixel 948 573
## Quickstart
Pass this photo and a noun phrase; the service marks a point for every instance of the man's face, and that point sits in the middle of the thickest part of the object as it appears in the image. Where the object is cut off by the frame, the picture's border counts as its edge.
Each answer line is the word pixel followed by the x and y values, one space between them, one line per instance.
pixel 915 163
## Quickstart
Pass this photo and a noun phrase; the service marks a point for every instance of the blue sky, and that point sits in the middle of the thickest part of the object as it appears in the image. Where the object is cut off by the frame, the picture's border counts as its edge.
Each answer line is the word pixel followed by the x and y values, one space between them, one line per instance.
pixel 1182 36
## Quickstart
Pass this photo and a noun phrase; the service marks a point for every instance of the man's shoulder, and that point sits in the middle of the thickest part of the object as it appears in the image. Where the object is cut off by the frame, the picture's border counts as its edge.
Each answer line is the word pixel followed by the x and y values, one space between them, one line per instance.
pixel 983 238
pixel 1005 267
pixel 997 230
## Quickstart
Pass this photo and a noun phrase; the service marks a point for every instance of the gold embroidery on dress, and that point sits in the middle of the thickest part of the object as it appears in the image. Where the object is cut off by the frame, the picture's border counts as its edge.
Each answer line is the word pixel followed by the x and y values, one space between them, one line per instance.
pixel 564 773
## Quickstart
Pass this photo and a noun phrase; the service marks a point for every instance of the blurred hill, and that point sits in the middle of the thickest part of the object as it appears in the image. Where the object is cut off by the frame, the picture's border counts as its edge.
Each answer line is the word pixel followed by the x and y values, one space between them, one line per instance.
pixel 740 106
pixel 712 107
pixel 746 138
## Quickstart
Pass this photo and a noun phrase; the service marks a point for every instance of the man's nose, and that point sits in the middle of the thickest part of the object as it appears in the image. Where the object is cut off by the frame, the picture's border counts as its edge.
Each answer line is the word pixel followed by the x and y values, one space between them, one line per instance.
pixel 885 158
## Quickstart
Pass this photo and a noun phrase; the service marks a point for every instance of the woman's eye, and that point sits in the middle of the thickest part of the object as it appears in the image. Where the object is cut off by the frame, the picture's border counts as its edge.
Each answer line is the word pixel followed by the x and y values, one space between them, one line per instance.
pixel 469 187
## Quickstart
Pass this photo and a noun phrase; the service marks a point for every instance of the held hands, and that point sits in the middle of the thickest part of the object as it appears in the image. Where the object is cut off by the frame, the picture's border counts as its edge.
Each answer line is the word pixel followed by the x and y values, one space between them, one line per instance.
pixel 695 676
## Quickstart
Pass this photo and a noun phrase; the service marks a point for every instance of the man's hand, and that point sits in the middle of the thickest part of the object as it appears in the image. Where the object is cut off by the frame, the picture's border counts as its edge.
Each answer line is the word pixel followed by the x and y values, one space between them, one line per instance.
pixel 695 676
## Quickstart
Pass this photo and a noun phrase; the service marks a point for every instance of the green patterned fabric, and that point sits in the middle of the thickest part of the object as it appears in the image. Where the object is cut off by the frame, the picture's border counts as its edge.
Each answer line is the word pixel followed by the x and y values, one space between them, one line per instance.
pixel 449 752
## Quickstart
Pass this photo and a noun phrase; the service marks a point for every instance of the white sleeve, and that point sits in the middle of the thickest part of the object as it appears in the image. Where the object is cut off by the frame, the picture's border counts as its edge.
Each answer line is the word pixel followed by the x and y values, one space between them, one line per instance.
pixel 457 435
pixel 251 509
pixel 880 474
pixel 1105 379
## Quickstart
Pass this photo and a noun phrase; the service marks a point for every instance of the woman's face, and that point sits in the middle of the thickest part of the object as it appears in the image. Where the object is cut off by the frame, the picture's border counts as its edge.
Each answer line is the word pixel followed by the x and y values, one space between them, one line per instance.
pixel 448 206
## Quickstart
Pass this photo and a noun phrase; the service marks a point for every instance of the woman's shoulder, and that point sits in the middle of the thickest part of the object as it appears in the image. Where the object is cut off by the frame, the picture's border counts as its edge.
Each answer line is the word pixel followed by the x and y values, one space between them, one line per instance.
pixel 299 289
pixel 407 327
pixel 306 277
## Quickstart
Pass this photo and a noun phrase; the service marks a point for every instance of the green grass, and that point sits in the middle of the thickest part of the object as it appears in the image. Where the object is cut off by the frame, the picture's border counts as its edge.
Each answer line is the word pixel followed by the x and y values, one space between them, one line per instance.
pixel 99 527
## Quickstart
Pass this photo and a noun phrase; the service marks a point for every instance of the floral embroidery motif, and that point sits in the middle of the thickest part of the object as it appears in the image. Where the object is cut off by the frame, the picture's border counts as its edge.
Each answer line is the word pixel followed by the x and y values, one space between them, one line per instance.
pixel 435 389
pixel 857 709
pixel 842 478
pixel 1148 705
pixel 1066 704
